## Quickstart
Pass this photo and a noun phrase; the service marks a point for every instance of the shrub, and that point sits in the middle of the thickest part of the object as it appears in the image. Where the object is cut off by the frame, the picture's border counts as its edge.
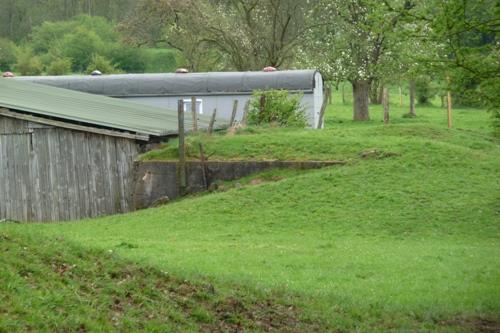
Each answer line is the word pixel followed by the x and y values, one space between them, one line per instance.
pixel 161 60
pixel 8 54
pixel 80 47
pixel 28 64
pixel 127 58
pixel 59 66
pixel 102 64
pixel 280 107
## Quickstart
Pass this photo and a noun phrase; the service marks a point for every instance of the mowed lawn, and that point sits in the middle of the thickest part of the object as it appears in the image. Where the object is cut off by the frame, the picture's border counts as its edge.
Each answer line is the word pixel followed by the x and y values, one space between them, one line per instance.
pixel 404 239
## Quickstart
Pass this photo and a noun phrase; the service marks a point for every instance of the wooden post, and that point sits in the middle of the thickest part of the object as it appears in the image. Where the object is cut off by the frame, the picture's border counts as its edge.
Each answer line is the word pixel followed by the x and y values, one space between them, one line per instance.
pixel 412 112
pixel 244 118
pixel 194 114
pixel 449 104
pixel 212 122
pixel 329 93
pixel 385 102
pixel 322 111
pixel 182 148
pixel 233 114
pixel 203 161
pixel 400 96
pixel 343 94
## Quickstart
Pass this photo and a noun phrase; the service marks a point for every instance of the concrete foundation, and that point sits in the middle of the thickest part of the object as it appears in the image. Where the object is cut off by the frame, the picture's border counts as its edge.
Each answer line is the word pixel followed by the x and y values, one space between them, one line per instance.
pixel 156 180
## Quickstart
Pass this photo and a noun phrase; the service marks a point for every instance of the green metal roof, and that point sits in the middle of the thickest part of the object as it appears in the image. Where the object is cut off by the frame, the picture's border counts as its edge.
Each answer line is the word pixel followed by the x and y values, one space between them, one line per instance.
pixel 90 109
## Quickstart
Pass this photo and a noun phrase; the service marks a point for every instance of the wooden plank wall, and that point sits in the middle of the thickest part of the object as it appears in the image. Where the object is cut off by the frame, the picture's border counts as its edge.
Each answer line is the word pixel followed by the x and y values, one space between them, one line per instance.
pixel 55 174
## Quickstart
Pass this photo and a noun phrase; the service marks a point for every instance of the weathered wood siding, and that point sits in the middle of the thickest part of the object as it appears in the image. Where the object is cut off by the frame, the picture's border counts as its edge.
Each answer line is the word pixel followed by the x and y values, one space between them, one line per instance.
pixel 54 174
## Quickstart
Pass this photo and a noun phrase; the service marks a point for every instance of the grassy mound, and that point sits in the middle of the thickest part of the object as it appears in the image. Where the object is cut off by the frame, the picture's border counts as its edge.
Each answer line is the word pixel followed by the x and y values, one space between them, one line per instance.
pixel 54 287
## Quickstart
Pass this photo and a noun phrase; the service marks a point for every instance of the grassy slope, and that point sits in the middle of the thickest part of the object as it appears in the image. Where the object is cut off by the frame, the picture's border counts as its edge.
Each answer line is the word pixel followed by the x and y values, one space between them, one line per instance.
pixel 403 242
pixel 48 286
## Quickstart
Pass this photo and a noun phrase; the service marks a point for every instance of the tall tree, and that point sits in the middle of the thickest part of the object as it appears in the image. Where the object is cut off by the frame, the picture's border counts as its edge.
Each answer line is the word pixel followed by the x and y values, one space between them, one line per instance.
pixel 354 41
pixel 247 34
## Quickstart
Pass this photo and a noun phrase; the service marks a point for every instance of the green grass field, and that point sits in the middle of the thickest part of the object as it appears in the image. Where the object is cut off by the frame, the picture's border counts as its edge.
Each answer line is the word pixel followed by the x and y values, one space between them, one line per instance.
pixel 403 239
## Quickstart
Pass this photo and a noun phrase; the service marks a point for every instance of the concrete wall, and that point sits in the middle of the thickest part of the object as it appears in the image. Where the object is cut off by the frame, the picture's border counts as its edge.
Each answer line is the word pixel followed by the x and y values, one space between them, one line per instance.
pixel 224 104
pixel 154 180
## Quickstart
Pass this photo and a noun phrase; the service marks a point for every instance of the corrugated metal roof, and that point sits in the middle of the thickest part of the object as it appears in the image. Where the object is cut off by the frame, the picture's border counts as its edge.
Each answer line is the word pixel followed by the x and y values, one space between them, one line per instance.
pixel 122 85
pixel 90 109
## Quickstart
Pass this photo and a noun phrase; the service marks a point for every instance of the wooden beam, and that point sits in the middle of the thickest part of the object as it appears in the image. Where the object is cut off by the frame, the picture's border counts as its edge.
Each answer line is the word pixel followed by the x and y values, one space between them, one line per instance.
pixel 233 114
pixel 212 122
pixel 322 111
pixel 193 114
pixel 244 118
pixel 62 124
pixel 385 103
pixel 448 95
pixel 182 149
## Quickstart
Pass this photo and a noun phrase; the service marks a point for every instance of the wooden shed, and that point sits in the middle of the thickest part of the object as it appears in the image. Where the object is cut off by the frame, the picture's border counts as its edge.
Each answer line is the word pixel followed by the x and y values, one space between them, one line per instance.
pixel 67 155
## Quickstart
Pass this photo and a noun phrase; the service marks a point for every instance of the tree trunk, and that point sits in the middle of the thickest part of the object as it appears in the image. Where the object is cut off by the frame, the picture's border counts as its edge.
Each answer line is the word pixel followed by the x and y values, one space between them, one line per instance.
pixel 385 102
pixel 380 94
pixel 374 92
pixel 360 91
pixel 412 99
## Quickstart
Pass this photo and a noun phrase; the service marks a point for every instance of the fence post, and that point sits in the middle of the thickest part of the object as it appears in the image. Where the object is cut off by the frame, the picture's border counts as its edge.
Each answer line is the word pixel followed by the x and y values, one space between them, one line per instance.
pixel 400 96
pixel 244 118
pixel 329 92
pixel 182 148
pixel 194 115
pixel 385 102
pixel 343 94
pixel 212 122
pixel 233 114
pixel 322 111
pixel 412 98
pixel 204 169
pixel 448 95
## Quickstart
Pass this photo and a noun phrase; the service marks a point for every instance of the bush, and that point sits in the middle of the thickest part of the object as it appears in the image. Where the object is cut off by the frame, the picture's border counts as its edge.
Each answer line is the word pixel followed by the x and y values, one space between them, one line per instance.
pixel 80 47
pixel 161 60
pixel 59 66
pixel 101 64
pixel 279 107
pixel 8 54
pixel 28 64
pixel 127 58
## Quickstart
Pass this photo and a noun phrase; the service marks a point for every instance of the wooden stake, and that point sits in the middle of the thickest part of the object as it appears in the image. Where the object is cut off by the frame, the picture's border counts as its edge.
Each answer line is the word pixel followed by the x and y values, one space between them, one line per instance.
pixel 343 94
pixel 233 114
pixel 182 148
pixel 203 161
pixel 244 118
pixel 412 98
pixel 194 115
pixel 449 110
pixel 329 93
pixel 212 122
pixel 400 97
pixel 385 102
pixel 322 111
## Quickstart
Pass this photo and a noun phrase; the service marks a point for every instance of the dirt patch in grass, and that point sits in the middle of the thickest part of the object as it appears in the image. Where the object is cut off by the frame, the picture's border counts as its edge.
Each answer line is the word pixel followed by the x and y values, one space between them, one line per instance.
pixel 481 325
pixel 81 290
